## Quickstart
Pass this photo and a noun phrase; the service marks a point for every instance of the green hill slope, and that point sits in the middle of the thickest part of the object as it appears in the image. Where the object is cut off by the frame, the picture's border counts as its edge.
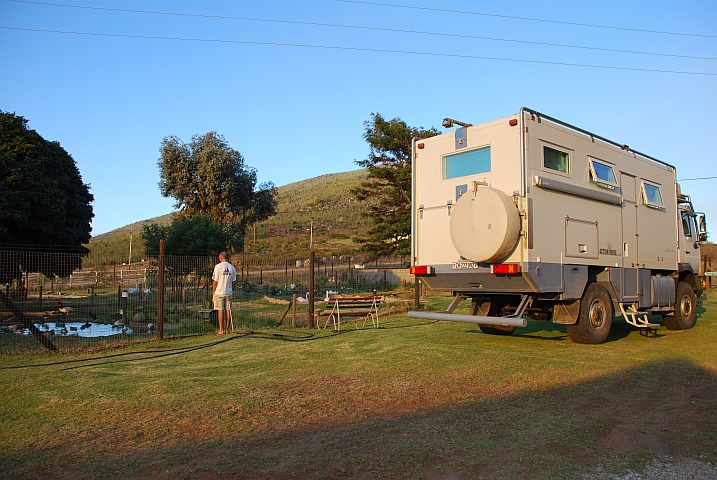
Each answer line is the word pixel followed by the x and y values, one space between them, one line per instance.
pixel 325 199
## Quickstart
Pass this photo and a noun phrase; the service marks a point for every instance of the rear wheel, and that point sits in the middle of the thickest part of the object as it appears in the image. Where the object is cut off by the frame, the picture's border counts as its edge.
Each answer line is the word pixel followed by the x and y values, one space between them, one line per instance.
pixel 685 309
pixel 497 304
pixel 497 329
pixel 595 319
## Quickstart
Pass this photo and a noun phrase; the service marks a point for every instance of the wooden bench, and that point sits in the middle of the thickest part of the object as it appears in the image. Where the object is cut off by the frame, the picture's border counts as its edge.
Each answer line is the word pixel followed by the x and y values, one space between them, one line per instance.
pixel 354 307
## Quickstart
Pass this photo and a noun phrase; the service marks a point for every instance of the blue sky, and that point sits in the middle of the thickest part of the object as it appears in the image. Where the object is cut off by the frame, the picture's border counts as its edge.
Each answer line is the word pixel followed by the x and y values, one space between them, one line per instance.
pixel 295 108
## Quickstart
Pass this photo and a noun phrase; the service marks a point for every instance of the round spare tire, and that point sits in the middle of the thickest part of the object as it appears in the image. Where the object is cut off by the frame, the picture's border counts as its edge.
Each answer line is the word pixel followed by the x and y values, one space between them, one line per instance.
pixel 485 226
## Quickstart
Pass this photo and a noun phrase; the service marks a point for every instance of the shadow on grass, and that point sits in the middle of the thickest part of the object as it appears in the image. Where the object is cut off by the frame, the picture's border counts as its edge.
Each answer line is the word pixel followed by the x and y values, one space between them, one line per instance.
pixel 619 421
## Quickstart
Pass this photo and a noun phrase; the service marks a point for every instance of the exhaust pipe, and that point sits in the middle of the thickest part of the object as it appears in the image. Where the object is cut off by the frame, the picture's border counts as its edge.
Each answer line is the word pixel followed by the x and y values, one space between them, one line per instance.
pixel 454 317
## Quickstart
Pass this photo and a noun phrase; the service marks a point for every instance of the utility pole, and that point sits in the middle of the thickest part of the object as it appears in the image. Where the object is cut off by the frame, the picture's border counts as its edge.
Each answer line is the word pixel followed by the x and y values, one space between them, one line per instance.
pixel 129 260
pixel 311 242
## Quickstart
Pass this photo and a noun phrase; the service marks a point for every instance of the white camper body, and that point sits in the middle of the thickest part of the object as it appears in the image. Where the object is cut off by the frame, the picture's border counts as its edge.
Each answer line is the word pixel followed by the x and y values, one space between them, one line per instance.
pixel 530 216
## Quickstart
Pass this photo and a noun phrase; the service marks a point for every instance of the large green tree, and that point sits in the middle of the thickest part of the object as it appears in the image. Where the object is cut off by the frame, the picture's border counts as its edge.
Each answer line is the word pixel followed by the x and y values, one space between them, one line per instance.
pixel 208 177
pixel 44 205
pixel 387 188
pixel 192 243
pixel 198 235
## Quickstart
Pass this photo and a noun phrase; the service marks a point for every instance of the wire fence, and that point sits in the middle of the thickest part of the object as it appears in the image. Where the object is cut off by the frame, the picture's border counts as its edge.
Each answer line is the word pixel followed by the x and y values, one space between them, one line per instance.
pixel 76 301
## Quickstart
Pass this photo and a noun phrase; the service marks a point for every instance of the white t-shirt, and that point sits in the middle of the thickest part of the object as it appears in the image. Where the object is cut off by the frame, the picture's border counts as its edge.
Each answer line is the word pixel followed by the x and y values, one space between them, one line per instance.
pixel 224 274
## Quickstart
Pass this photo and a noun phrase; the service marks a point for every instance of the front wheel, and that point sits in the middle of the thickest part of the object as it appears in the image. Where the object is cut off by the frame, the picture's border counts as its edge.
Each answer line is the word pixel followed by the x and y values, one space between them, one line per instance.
pixel 685 309
pixel 595 318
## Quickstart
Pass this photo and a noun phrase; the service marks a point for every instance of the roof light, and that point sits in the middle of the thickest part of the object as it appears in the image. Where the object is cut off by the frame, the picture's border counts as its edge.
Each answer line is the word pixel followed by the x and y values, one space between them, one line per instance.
pixel 513 122
pixel 421 270
pixel 420 146
pixel 505 268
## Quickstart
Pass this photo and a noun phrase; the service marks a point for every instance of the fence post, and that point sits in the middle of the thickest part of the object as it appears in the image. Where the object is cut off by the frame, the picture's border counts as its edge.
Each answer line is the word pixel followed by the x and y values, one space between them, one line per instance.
pixel 160 293
pixel 311 288
pixel 293 312
pixel 40 297
pixel 417 291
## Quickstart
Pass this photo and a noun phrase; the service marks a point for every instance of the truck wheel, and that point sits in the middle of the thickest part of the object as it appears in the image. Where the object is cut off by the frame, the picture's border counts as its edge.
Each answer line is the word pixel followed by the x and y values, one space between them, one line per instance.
pixel 497 329
pixel 685 309
pixel 497 304
pixel 595 318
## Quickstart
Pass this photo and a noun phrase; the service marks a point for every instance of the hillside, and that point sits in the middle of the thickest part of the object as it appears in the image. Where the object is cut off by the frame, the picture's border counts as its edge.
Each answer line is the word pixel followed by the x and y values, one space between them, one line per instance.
pixel 325 199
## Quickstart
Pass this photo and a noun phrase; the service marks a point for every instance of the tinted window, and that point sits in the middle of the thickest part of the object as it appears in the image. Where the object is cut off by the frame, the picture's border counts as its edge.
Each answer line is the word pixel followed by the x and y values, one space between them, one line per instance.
pixel 556 160
pixel 652 195
pixel 686 225
pixel 602 173
pixel 466 163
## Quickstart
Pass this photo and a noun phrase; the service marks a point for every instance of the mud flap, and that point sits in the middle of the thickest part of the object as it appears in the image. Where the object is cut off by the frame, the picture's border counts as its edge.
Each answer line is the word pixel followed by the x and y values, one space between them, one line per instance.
pixel 566 313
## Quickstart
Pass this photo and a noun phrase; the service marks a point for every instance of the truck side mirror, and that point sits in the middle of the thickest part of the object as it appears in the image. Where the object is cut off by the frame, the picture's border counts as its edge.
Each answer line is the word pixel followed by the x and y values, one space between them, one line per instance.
pixel 702 229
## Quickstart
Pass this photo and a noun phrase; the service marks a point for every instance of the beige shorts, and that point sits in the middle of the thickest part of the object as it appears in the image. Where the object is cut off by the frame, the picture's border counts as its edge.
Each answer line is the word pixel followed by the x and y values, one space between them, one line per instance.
pixel 222 302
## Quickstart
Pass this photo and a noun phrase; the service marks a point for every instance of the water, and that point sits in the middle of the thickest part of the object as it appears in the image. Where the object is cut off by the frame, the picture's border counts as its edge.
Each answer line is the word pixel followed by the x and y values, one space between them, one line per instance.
pixel 75 329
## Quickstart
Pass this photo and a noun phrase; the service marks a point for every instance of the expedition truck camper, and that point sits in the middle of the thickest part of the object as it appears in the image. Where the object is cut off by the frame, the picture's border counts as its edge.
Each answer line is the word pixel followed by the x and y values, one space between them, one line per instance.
pixel 529 216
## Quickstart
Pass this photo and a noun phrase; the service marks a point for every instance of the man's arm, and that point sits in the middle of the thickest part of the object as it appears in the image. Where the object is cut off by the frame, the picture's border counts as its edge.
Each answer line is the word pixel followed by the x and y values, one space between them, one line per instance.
pixel 214 286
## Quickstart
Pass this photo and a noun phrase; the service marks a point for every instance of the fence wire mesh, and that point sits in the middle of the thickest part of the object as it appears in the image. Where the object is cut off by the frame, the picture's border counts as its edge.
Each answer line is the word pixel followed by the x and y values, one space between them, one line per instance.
pixel 85 301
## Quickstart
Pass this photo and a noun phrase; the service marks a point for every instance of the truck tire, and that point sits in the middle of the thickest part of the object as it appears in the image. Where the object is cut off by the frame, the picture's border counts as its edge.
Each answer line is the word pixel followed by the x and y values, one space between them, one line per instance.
pixel 595 318
pixel 497 304
pixel 685 309
pixel 497 329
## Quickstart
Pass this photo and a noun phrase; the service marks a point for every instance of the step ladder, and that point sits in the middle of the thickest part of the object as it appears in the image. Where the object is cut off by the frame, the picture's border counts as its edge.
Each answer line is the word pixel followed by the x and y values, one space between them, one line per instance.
pixel 638 319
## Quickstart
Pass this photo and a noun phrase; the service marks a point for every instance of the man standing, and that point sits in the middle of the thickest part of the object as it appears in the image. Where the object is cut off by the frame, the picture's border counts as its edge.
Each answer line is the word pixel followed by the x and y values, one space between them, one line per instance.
pixel 224 280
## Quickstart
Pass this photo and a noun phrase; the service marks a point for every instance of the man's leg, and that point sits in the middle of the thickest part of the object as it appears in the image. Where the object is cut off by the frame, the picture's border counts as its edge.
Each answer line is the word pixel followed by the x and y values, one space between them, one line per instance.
pixel 220 317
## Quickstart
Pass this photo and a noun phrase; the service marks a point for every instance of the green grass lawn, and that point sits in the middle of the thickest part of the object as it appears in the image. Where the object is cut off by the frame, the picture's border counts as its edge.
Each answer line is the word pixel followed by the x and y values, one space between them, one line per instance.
pixel 413 399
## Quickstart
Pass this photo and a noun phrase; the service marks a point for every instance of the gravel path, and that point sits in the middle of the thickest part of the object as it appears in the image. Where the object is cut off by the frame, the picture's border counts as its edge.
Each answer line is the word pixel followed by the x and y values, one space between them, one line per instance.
pixel 665 469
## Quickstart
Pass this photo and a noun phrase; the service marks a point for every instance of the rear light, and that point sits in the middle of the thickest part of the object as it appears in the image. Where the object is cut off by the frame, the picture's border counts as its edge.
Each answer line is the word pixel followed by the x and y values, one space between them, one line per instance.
pixel 421 270
pixel 505 268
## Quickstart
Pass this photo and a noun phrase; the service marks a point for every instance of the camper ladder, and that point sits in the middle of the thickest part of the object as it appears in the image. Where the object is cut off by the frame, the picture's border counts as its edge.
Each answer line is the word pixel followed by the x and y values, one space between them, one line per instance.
pixel 638 319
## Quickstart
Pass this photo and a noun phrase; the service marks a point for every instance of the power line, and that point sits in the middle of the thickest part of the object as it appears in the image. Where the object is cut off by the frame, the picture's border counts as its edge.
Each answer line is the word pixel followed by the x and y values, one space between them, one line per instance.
pixel 363 27
pixel 698 178
pixel 529 19
pixel 361 49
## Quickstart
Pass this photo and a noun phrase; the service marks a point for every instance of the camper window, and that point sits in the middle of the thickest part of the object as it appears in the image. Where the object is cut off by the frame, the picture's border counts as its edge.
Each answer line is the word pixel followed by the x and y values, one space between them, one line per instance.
pixel 651 195
pixel 556 160
pixel 602 174
pixel 466 163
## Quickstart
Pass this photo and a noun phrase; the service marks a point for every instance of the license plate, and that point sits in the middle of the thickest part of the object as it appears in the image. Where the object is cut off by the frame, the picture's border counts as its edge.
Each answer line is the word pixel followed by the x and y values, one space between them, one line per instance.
pixel 464 265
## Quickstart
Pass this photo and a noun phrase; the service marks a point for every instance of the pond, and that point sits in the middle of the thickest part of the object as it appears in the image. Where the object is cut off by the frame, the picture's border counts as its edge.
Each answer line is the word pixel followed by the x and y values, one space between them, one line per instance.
pixel 82 329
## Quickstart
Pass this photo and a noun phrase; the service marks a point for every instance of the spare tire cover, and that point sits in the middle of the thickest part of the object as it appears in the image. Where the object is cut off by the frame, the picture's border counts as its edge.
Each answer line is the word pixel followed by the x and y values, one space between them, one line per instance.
pixel 485 226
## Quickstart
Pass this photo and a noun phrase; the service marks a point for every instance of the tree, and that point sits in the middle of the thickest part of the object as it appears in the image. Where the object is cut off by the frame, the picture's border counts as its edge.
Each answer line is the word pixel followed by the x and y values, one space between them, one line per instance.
pixel 388 185
pixel 44 205
pixel 208 177
pixel 197 235
pixel 191 244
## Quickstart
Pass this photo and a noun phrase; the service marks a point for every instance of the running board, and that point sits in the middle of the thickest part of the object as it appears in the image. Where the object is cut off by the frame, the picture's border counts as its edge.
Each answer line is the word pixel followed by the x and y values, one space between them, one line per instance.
pixel 514 320
pixel 632 316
